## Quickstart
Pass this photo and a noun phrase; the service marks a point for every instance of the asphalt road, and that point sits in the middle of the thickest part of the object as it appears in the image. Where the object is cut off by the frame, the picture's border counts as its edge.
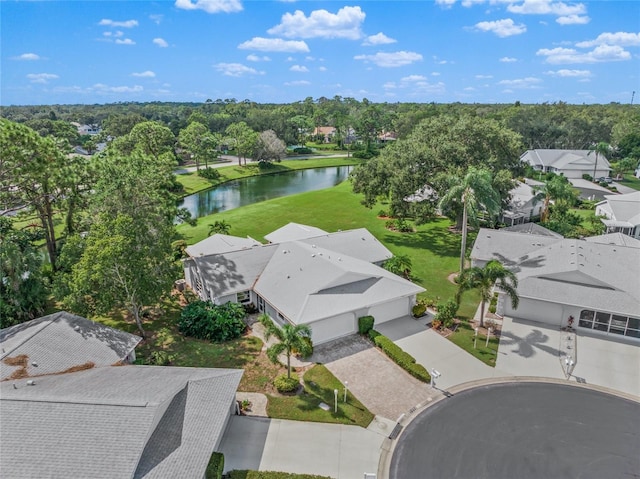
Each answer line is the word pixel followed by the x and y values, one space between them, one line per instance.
pixel 522 431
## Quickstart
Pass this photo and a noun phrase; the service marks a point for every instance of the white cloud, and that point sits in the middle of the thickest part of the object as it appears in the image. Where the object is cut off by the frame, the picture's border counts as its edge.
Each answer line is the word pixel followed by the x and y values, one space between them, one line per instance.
pixel 299 69
pixel 508 60
pixel 322 69
pixel 156 18
pixel 483 77
pixel 257 58
pixel 624 39
pixel 211 6
pixel 145 74
pixel 236 69
pixel 569 73
pixel 445 3
pixel 503 28
pixel 116 34
pixel 28 57
pixel 274 45
pixel 417 84
pixel 573 20
pixel 522 83
pixel 100 87
pixel 297 83
pixel 546 7
pixel 41 77
pixel 321 24
pixel 106 22
pixel 125 41
pixel 161 42
pixel 413 78
pixel 602 53
pixel 378 39
pixel 389 60
pixel 435 74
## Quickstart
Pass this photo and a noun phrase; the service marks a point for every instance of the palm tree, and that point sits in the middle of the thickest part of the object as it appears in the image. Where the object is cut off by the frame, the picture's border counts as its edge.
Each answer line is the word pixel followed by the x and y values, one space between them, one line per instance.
pixel 599 149
pixel 483 279
pixel 555 188
pixel 290 338
pixel 219 227
pixel 474 192
pixel 399 264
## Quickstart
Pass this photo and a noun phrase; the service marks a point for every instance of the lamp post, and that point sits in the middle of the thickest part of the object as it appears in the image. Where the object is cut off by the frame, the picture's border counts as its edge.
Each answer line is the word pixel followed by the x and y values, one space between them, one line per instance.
pixel 475 338
pixel 335 397
pixel 486 344
pixel 346 386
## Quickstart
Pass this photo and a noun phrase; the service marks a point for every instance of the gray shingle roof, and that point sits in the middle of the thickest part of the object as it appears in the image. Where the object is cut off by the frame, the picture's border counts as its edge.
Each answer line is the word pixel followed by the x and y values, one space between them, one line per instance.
pixel 307 283
pixel 219 243
pixel 358 243
pixel 623 208
pixel 292 232
pixel 532 229
pixel 507 244
pixel 615 239
pixel 565 159
pixel 112 422
pixel 61 341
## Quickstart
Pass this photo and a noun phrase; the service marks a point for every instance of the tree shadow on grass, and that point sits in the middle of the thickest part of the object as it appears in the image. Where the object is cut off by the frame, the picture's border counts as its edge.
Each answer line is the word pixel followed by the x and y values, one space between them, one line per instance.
pixel 438 241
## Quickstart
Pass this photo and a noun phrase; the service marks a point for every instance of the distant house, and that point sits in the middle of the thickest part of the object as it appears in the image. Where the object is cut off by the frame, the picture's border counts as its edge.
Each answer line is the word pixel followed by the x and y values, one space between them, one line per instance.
pixel 307 276
pixel 523 206
pixel 325 132
pixel 621 213
pixel 69 408
pixel 594 282
pixel 387 136
pixel 569 163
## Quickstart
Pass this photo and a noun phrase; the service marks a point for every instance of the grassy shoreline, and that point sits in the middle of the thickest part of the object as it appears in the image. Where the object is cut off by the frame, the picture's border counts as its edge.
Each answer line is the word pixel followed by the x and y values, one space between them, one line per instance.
pixel 192 183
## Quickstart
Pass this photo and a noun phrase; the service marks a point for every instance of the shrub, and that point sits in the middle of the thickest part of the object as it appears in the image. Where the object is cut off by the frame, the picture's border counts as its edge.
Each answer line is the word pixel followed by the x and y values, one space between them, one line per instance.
pixel 490 323
pixel 493 305
pixel 303 150
pixel 402 358
pixel 587 177
pixel 419 310
pixel 373 334
pixel 446 312
pixel 178 249
pixel 205 320
pixel 383 213
pixel 209 174
pixel 215 468
pixel 436 324
pixel 286 385
pixel 365 324
pixel 604 184
pixel 309 346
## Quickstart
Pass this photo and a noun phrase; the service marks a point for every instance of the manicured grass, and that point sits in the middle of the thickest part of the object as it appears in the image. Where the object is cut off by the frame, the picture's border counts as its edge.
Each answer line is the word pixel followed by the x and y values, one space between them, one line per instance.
pixel 463 338
pixel 319 385
pixel 433 249
pixel 193 183
pixel 631 181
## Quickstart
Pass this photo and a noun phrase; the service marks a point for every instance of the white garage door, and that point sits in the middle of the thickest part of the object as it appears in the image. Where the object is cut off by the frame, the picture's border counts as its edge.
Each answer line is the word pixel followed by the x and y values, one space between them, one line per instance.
pixel 541 311
pixel 391 310
pixel 332 328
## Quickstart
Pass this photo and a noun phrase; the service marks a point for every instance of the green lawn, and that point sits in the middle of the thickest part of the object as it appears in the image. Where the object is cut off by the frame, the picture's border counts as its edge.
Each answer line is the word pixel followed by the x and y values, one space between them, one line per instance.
pixel 433 250
pixel 319 386
pixel 193 183
pixel 463 338
pixel 631 181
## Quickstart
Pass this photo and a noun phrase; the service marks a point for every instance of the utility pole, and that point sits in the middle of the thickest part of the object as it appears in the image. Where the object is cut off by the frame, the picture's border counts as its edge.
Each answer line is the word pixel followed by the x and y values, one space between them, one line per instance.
pixel 633 93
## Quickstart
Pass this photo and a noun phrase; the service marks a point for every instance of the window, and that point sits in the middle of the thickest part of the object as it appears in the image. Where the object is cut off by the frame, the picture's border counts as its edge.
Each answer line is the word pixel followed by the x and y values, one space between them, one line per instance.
pixel 602 321
pixel 586 318
pixel 243 297
pixel 611 323
pixel 618 324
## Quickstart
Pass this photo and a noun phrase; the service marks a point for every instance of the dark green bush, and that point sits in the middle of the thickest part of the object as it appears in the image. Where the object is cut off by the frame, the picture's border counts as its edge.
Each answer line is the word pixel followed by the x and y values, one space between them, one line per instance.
pixel 587 177
pixel 236 474
pixel 402 358
pixel 365 324
pixel 179 248
pixel 286 385
pixel 419 310
pixel 215 468
pixel 209 173
pixel 447 312
pixel 309 346
pixel 373 334
pixel 205 320
pixel 303 150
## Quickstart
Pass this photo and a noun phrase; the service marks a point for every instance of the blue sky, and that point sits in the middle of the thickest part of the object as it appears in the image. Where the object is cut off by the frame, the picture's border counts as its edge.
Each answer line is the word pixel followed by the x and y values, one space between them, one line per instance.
pixel 485 51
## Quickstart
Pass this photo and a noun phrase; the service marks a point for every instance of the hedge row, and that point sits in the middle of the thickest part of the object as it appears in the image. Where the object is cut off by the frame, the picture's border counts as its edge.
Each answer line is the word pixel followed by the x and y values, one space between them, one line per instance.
pixel 215 468
pixel 365 324
pixel 399 356
pixel 270 475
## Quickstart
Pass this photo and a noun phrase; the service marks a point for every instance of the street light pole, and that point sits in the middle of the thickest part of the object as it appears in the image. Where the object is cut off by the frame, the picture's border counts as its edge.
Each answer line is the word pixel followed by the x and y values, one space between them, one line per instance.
pixel 346 386
pixel 475 338
pixel 335 397
pixel 488 334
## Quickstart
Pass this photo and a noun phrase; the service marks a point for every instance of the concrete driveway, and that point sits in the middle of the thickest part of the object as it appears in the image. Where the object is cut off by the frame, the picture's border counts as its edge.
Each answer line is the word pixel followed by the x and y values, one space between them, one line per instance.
pixel 332 450
pixel 381 385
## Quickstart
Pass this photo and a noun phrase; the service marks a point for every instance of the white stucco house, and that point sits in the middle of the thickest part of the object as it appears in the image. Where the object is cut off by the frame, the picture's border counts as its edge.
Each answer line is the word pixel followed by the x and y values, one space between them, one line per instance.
pixel 570 163
pixel 621 213
pixel 595 282
pixel 523 206
pixel 324 280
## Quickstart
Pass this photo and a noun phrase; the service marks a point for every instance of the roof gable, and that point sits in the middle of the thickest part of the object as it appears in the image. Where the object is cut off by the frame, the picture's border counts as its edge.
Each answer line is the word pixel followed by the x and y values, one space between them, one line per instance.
pixel 292 232
pixel 219 243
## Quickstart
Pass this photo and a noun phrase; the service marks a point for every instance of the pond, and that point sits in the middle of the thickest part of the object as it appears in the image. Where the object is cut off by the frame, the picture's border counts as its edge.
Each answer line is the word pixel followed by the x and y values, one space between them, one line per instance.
pixel 254 189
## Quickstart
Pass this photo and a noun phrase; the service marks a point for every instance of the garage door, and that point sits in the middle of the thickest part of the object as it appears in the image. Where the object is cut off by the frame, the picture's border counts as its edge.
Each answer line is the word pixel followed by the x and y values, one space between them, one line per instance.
pixel 332 328
pixel 391 310
pixel 541 311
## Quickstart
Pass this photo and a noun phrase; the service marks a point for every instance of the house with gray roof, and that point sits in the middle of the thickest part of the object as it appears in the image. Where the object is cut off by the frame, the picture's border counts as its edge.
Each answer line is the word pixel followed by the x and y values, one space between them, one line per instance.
pixel 62 341
pixel 219 243
pixel 324 280
pixel 71 405
pixel 569 163
pixel 596 282
pixel 621 213
pixel 523 206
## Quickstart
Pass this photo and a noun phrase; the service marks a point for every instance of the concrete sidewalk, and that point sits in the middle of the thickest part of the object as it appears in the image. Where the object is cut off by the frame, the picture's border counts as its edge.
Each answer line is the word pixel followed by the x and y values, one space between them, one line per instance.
pixel 334 450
